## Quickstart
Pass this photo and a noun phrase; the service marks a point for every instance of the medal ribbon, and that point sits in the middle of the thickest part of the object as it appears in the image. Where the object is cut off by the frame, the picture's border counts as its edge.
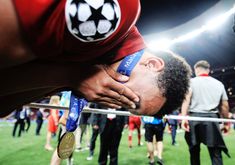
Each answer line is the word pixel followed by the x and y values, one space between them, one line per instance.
pixel 77 104
pixel 75 109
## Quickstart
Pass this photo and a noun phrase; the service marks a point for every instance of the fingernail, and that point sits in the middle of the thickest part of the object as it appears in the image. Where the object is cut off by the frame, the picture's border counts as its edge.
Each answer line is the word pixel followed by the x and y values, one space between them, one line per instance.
pixel 124 78
pixel 137 99
pixel 119 107
pixel 133 106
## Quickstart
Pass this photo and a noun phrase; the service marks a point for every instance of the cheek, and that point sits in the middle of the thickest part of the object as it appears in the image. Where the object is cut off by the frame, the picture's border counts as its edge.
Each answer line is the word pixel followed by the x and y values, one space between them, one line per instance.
pixel 150 99
pixel 150 103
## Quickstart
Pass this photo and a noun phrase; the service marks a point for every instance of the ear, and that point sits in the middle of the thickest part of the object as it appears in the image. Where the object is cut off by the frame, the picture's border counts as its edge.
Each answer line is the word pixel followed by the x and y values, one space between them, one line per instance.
pixel 155 64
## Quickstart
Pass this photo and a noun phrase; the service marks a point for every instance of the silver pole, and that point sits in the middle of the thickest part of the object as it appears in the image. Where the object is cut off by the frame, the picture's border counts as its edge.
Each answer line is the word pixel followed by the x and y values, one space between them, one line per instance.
pixel 85 110
pixel 125 113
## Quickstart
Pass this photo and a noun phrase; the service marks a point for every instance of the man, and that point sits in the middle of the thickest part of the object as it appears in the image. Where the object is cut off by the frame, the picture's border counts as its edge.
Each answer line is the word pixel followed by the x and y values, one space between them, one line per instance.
pixel 154 126
pixel 40 42
pixel 173 125
pixel 110 128
pixel 20 117
pixel 206 98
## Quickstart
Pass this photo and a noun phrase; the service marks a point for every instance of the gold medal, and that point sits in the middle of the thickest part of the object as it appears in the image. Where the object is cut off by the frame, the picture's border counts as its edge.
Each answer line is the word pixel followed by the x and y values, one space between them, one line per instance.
pixel 66 145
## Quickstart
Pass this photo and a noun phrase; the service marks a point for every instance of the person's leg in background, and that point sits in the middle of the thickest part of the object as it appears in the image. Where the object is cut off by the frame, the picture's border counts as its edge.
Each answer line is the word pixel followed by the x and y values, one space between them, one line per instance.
pixel 28 121
pixel 130 132
pixel 48 141
pixel 155 146
pixel 38 127
pixel 159 153
pixel 173 133
pixel 115 138
pixel 150 149
pixel 87 136
pixel 149 133
pixel 55 160
pixel 130 137
pixel 50 131
pixel 95 133
pixel 195 154
pixel 215 155
pixel 138 127
pixel 159 131
pixel 21 121
pixel 78 134
pixel 15 127
pixel 104 143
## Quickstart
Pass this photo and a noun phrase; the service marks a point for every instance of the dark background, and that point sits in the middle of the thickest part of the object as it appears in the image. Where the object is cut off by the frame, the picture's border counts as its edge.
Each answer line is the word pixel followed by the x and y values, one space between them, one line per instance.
pixel 217 47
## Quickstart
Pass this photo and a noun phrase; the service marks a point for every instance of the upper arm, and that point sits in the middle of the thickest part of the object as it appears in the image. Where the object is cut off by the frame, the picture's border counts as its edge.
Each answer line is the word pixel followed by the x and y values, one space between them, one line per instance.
pixel 186 103
pixel 13 49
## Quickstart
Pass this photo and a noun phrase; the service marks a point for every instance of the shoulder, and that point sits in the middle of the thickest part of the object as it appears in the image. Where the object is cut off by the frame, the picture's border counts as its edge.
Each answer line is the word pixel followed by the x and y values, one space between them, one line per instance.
pixel 215 81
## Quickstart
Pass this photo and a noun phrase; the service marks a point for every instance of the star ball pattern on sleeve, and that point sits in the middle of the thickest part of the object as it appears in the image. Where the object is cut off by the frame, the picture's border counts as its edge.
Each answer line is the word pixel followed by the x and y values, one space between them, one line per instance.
pixel 90 20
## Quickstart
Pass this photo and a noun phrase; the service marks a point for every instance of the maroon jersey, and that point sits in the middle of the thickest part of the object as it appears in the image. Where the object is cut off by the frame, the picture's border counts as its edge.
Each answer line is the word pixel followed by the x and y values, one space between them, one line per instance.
pixel 50 33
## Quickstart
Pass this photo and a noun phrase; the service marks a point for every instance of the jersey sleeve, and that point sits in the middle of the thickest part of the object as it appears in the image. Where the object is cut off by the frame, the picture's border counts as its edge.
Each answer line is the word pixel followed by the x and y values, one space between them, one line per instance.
pixel 131 44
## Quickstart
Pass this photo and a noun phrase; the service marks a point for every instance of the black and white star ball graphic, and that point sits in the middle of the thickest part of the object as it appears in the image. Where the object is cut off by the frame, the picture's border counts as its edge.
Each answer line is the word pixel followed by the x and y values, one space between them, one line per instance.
pixel 92 20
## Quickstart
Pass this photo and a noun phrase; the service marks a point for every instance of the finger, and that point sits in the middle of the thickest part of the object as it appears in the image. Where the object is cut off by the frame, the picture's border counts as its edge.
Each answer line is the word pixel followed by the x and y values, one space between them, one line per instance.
pixel 116 102
pixel 110 105
pixel 121 99
pixel 123 90
pixel 115 75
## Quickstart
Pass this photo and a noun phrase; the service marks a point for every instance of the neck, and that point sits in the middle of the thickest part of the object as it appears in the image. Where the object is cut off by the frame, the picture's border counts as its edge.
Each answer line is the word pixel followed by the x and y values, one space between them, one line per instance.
pixel 203 74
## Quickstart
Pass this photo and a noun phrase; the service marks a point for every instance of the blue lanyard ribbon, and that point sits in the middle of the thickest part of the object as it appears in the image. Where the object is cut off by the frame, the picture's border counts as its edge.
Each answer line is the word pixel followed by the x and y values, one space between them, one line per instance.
pixel 129 62
pixel 75 109
pixel 77 104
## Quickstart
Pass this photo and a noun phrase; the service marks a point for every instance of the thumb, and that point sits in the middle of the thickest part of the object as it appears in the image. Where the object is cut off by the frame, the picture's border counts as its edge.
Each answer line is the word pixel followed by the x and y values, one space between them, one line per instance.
pixel 115 75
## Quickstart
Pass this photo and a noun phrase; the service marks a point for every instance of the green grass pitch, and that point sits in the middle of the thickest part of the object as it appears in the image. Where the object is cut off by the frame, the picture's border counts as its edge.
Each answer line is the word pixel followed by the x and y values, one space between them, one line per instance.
pixel 29 149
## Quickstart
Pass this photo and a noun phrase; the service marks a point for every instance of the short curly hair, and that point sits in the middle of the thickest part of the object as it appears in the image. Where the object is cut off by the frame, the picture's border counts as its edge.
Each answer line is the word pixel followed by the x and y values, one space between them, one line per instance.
pixel 173 81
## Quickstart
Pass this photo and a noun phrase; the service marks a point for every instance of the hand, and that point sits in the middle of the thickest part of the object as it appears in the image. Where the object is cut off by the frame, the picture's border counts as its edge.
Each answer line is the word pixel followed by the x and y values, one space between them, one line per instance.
pixel 225 128
pixel 185 125
pixel 96 127
pixel 101 84
pixel 126 126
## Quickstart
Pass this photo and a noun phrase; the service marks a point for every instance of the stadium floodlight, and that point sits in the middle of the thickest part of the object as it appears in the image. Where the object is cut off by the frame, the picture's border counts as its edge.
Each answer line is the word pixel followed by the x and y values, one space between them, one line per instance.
pixel 189 35
pixel 219 20
pixel 214 23
pixel 162 44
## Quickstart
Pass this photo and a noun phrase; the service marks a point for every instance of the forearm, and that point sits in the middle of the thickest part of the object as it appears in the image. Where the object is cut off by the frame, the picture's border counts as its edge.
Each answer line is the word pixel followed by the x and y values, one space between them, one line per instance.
pixel 186 103
pixel 13 49
pixel 36 75
pixel 224 109
pixel 32 81
pixel 184 108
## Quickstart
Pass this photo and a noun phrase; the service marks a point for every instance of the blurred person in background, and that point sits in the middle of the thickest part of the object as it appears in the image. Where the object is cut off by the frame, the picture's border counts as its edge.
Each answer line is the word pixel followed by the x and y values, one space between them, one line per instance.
pixel 173 124
pixel 20 117
pixel 206 98
pixel 39 120
pixel 110 127
pixel 134 123
pixel 53 120
pixel 154 127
